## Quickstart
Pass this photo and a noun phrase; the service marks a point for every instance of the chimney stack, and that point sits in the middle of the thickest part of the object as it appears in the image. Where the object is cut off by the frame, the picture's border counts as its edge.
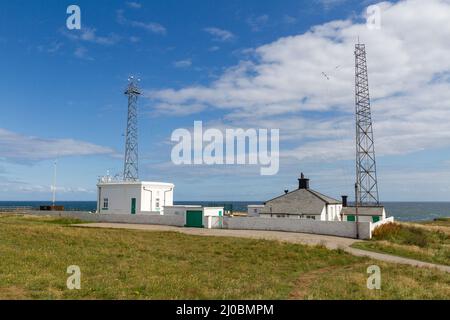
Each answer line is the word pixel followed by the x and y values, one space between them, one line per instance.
pixel 303 183
pixel 344 201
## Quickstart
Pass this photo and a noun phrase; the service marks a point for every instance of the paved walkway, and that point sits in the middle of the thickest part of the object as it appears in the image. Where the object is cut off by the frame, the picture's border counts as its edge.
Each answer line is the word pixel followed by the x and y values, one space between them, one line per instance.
pixel 293 237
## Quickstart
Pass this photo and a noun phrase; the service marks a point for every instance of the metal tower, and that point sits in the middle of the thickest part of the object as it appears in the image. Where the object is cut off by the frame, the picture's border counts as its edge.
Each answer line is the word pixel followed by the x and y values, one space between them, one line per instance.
pixel 366 172
pixel 130 170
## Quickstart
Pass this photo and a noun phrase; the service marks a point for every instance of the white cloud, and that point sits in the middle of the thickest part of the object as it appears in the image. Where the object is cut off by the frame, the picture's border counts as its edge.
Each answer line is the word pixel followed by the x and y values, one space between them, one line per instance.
pixel 82 53
pixel 135 39
pixel 17 147
pixel 90 35
pixel 51 48
pixel 182 63
pixel 258 22
pixel 134 5
pixel 289 19
pixel 283 85
pixel 152 27
pixel 327 4
pixel 220 34
pixel 213 48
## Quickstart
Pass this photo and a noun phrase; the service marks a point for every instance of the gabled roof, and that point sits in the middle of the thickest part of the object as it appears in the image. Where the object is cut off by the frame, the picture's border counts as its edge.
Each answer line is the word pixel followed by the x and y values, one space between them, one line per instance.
pixel 300 201
pixel 325 198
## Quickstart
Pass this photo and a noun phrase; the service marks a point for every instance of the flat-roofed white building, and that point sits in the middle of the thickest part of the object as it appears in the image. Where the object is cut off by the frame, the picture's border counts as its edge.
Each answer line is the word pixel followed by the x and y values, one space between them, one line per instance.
pixel 133 197
pixel 254 210
pixel 365 213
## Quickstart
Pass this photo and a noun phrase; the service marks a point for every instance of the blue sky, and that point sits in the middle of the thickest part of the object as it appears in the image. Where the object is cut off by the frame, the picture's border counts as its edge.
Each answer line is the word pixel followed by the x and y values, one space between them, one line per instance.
pixel 62 93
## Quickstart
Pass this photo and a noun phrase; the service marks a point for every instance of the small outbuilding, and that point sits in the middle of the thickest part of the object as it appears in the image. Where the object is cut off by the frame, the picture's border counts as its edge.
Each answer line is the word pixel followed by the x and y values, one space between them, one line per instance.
pixel 365 213
pixel 303 203
pixel 197 216
pixel 254 210
pixel 133 197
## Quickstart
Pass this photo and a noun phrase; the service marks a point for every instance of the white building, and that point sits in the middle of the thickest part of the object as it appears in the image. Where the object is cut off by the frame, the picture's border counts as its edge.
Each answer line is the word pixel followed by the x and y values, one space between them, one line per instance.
pixel 365 213
pixel 303 203
pixel 197 216
pixel 129 197
pixel 254 210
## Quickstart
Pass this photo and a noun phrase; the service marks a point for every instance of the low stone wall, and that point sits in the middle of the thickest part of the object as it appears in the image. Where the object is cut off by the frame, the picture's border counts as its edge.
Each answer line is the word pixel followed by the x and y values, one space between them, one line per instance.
pixel 169 220
pixel 331 228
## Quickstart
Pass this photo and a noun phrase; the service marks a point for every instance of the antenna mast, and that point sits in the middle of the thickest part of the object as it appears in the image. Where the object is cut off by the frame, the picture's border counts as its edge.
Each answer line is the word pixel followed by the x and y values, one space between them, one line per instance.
pixel 366 172
pixel 130 171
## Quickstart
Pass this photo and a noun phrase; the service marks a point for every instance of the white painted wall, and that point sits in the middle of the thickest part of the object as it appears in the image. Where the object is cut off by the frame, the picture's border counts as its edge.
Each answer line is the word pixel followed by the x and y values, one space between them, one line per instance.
pixel 254 210
pixel 332 212
pixel 334 228
pixel 150 197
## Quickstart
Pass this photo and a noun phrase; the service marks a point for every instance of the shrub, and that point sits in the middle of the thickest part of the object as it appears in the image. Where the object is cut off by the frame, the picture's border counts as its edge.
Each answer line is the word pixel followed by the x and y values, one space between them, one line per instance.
pixel 404 234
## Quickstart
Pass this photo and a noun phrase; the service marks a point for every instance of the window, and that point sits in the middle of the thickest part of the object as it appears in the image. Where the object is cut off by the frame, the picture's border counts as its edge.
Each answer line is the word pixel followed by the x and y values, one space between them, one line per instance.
pixel 157 203
pixel 105 203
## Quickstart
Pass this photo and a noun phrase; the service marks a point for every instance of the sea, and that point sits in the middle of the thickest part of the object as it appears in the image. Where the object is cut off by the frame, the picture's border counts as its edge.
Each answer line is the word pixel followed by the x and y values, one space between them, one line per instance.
pixel 402 211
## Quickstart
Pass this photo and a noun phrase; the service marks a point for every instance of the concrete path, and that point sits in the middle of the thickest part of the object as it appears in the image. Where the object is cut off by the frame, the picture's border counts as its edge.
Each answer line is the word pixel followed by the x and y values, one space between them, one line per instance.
pixel 303 238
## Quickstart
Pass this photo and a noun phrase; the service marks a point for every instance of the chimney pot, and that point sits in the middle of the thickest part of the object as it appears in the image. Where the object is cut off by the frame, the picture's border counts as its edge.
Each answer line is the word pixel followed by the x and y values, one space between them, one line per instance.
pixel 303 183
pixel 344 201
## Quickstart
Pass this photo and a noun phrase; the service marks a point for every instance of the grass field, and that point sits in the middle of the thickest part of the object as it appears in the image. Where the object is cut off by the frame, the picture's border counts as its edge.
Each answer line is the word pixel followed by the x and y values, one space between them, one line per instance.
pixel 125 264
pixel 427 241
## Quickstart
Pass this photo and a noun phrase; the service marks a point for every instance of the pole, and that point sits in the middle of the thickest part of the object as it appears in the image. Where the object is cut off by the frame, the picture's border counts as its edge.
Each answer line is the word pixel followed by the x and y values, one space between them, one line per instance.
pixel 356 210
pixel 54 183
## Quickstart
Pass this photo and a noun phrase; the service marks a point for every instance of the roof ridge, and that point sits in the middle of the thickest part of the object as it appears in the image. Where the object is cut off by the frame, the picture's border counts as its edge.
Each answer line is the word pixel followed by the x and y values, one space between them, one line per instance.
pixel 322 196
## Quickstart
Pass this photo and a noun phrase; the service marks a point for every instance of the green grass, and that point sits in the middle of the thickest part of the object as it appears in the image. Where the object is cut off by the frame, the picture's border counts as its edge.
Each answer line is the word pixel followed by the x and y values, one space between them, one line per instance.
pixel 131 264
pixel 426 241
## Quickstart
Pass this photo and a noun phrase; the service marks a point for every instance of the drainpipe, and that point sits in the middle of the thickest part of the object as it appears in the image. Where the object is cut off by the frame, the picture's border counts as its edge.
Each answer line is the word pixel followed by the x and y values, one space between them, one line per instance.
pixel 151 198
pixel 165 198
pixel 99 199
pixel 165 195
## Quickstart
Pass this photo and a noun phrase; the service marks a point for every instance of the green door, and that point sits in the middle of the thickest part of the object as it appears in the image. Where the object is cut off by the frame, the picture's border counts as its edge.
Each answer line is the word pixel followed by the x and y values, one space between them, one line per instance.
pixel 351 218
pixel 194 219
pixel 375 219
pixel 133 205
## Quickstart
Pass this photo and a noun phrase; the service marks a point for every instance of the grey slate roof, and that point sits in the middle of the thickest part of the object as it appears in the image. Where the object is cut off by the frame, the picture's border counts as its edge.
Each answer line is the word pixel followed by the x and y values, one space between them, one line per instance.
pixel 300 201
pixel 364 211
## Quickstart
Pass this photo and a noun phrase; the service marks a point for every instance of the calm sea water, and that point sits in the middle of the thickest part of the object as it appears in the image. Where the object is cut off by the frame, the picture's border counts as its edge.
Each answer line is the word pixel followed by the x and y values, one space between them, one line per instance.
pixel 404 211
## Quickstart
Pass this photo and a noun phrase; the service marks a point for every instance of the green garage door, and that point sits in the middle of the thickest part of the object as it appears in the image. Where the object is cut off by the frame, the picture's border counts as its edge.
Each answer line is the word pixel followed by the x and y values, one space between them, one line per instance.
pixel 194 219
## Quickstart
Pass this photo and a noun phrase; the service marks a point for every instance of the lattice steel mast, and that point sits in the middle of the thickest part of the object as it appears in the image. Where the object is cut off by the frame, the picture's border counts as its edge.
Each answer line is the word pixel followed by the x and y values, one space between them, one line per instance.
pixel 366 172
pixel 130 171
